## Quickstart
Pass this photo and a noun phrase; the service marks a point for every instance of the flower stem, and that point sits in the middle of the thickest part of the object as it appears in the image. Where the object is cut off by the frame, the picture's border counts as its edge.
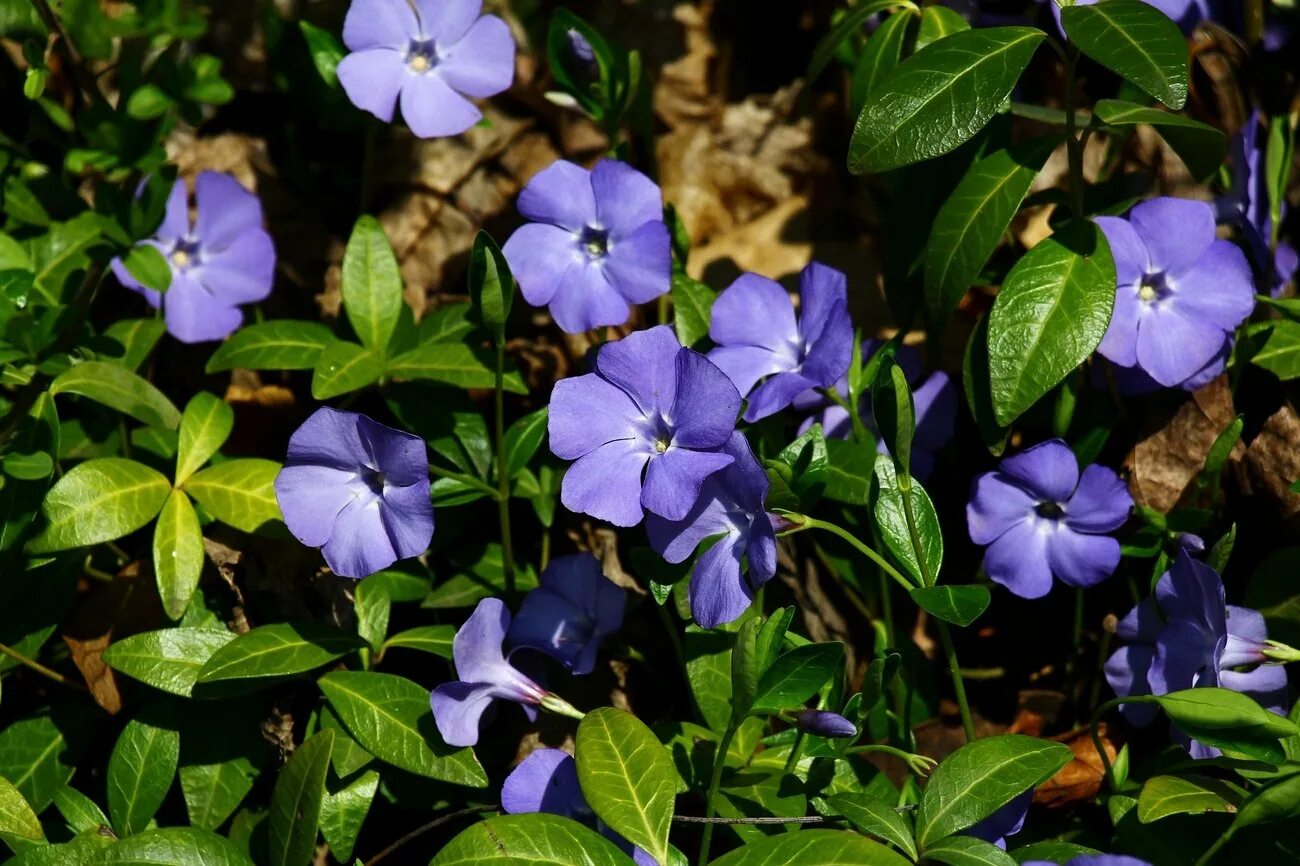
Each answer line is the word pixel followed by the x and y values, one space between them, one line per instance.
pixel 41 669
pixel 954 668
pixel 467 480
pixel 503 476
pixel 916 763
pixel 553 703
pixel 796 752
pixel 715 780
pixel 807 522
pixel 1073 146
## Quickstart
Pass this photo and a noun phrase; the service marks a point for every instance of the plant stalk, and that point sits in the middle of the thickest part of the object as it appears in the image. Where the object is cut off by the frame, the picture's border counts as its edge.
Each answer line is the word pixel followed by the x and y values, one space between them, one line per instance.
pixel 503 476
pixel 715 781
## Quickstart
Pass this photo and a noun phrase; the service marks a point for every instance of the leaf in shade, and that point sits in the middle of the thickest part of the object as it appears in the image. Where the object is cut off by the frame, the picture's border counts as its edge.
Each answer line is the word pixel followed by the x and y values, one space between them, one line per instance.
pixel 491 285
pixel 850 22
pixel 118 388
pixel 296 802
pixel 1200 146
pixel 820 847
pixel 959 604
pixel 876 817
pixel 435 639
pixel 797 674
pixel 1136 41
pixel 880 56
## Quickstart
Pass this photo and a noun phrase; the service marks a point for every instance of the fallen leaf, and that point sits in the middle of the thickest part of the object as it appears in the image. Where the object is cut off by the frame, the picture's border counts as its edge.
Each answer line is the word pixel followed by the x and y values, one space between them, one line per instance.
pixel 1272 461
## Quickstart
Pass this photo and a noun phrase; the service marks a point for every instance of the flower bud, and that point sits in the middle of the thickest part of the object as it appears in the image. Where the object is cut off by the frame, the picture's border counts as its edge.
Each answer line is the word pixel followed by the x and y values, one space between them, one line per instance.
pixel 824 724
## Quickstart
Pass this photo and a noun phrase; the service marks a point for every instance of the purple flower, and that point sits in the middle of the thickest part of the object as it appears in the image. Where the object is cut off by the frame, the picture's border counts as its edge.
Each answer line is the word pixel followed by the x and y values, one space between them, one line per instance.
pixel 1094 860
pixel 222 259
pixel 1187 637
pixel 484 674
pixel 730 505
pixel 823 723
pixel 432 60
pixel 1133 382
pixel 570 613
pixel 547 781
pixel 1006 821
pixel 1185 13
pixel 594 244
pixel 651 408
pixel 583 54
pixel 357 490
pixel 759 338
pixel 1247 206
pixel 1041 518
pixel 1181 293
pixel 934 397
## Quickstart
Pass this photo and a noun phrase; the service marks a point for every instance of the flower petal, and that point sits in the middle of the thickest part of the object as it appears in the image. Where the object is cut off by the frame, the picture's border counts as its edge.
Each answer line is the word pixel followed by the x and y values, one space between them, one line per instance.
pixel 1126 248
pixel 644 364
pixel 226 210
pixel 829 354
pixel 775 394
pixel 539 255
pixel 176 218
pixel 586 412
pixel 625 198
pixel 606 483
pixel 745 365
pixel 1247 632
pixel 379 24
pixel 447 21
pixel 193 315
pixel 372 79
pixel 936 412
pixel 476 649
pixel 1049 470
pixel 482 62
pixel 1219 290
pixel 1081 560
pixel 359 545
pixel 640 265
pixel 561 195
pixel 1126 671
pixel 754 311
pixel 407 514
pixel 1184 658
pixel 995 506
pixel 243 272
pixel 719 592
pixel 552 623
pixel 310 498
pixel 676 540
pixel 705 403
pixel 1173 345
pixel 1175 231
pixel 673 480
pixel 457 709
pixel 329 437
pixel 1017 559
pixel 545 781
pixel 585 299
pixel 1119 343
pixel 433 110
pixel 1101 502
pixel 1267 684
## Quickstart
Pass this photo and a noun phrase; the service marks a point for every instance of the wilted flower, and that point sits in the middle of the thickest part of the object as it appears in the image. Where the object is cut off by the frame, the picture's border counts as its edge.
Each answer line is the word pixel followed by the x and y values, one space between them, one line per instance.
pixel 759 338
pixel 1187 637
pixel 222 259
pixel 730 505
pixel 1006 821
pixel 1181 292
pixel 652 408
pixel 1247 206
pixel 823 723
pixel 547 781
pixel 595 243
pixel 431 57
pixel 484 676
pixel 357 490
pixel 575 608
pixel 1041 518
pixel 1093 860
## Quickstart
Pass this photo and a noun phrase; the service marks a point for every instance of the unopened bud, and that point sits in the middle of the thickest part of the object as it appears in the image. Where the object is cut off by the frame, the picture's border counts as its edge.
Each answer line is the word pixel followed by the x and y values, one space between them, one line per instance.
pixel 824 723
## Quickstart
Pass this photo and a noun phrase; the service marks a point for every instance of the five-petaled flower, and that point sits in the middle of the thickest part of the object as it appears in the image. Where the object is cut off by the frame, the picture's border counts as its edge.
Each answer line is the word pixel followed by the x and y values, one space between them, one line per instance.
pixel 1181 292
pixel 484 676
pixel 357 490
pixel 1186 637
pixel 574 608
pixel 1247 205
pixel 759 337
pixel 652 409
pixel 730 505
pixel 1040 517
pixel 222 259
pixel 595 243
pixel 431 56
pixel 1006 821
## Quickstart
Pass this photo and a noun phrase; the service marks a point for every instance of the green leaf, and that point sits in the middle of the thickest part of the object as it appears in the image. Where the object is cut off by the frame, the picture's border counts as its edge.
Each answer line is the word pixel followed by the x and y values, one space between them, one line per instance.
pixel 435 639
pixel 1277 801
pixel 523 439
pixel 1163 796
pixel 342 814
pixel 745 668
pixel 982 777
pixel 37 466
pixel 1200 146
pixel 36 756
pixel 146 264
pixel 491 285
pixel 240 493
pixel 140 772
pixel 820 847
pixel 1136 41
pixel 342 367
pixel 79 811
pixel 280 345
pixel 851 22
pixel 1050 315
pixel 389 716
pixel 281 649
pixel 172 846
pixel 373 608
pixel 797 675
pixel 936 23
pixel 1228 720
pixel 118 388
pixel 958 604
pixel 891 520
pixel 537 839
pixel 99 500
pixel 1280 354
pixel 326 51
pixel 708 669
pixel 205 426
pixel 213 791
pixel 978 388
pixel 940 97
pixel 296 803
pixel 692 308
pixel 19 826
pixel 972 222
pixel 968 851
pixel 877 817
pixel 895 414
pixel 177 553
pixel 757 793
pixel 137 338
pixel 372 285
pixel 850 471
pixel 627 777
pixel 453 364
pixel 168 659
pixel 880 56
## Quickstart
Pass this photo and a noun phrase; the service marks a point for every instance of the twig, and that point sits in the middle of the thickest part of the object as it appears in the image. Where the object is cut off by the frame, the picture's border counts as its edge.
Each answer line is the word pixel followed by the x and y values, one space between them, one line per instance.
pixel 695 819
pixel 85 84
pixel 425 828
pixel 42 669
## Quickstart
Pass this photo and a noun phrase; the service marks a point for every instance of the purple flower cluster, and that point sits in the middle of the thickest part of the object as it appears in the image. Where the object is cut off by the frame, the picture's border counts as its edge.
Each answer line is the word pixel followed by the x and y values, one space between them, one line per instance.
pixel 1186 637
pixel 221 259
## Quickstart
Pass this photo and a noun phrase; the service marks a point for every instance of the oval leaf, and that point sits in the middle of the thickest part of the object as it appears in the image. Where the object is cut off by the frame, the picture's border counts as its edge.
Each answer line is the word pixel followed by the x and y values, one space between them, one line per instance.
pixel 1163 796
pixel 118 388
pixel 796 675
pixel 205 425
pixel 282 345
pixel 1134 40
pixel 342 367
pixel 891 520
pixel 1200 146
pixel 177 553
pixel 99 500
pixel 19 826
pixel 968 851
pixel 820 847
pixel 140 772
pixel 279 650
pixel 371 285
pixel 960 605
pixel 240 493
pixel 534 838
pixel 453 364
pixel 296 802
pixel 172 846
pixel 877 817
pixel 491 286
pixel 169 659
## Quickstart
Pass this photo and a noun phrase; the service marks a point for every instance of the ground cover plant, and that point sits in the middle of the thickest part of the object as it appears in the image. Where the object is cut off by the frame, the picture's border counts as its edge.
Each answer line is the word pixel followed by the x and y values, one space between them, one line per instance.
pixel 476 431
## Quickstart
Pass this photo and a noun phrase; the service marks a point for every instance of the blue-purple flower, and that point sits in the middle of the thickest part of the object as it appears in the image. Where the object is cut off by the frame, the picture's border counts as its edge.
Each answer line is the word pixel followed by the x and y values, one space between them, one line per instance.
pixel 730 506
pixel 430 58
pixel 1093 860
pixel 1181 292
pixel 547 781
pixel 1186 637
pixel 824 723
pixel 652 410
pixel 357 490
pixel 595 243
pixel 1006 821
pixel 222 259
pixel 761 343
pixel 1247 206
pixel 484 676
pixel 574 608
pixel 1040 517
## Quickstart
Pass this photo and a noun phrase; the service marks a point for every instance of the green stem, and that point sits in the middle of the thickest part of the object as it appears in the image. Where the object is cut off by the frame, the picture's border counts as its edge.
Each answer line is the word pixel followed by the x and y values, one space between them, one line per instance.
pixel 796 753
pixel 553 703
pixel 1073 146
pixel 954 668
pixel 1214 849
pixel 860 433
pixel 468 480
pixel 807 522
pixel 503 477
pixel 715 781
pixel 41 669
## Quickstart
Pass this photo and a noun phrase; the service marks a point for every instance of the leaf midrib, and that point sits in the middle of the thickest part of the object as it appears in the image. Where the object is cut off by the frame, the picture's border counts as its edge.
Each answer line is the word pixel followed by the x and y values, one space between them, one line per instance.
pixel 931 820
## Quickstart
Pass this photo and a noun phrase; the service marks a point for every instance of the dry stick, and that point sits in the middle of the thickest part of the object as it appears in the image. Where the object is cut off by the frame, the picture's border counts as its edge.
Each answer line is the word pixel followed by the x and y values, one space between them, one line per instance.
pixel 41 669
pixel 425 828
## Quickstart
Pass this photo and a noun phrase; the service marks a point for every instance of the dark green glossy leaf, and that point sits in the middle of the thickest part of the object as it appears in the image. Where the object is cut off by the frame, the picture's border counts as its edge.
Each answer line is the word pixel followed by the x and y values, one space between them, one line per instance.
pixel 745 668
pixel 978 388
pixel 296 802
pixel 797 675
pixel 820 847
pixel 278 650
pixel 891 519
pixel 880 56
pixel 876 817
pixel 1228 720
pixel 523 439
pixel 708 669
pixel 851 22
pixel 343 813
pixel 1200 146
pixel 936 23
pixel 959 604
pixel 850 471
pixel 1135 40
pixel 435 639
pixel 491 286
pixel 692 309
pixel 895 414
pixel 172 846
pixel 286 344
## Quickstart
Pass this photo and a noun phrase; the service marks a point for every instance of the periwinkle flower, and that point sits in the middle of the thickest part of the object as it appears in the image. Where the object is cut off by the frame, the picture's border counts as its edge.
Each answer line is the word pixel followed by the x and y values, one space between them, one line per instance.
pixel 1186 637
pixel 1093 860
pixel 1040 517
pixel 761 343
pixel 547 781
pixel 574 608
pixel 1006 821
pixel 1181 292
pixel 222 259
pixel 824 723
pixel 651 409
pixel 430 57
pixel 1247 206
pixel 484 676
pixel 583 54
pixel 357 490
pixel 730 505
pixel 595 243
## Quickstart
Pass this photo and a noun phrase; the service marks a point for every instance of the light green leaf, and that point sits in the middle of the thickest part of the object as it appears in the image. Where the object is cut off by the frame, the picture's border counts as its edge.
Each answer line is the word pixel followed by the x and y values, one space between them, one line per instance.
pixel 627 777
pixel 537 839
pixel 19 826
pixel 342 814
pixel 169 659
pixel 79 811
pixel 172 846
pixel 373 607
pixel 692 308
pixel 342 367
pixel 146 263
pixel 281 649
pixel 240 493
pixel 372 285
pixel 876 817
pixel 205 426
pixel 118 388
pixel 453 364
pixel 891 519
pixel 940 97
pixel 1280 354
pixel 1200 146
pixel 177 553
pixel 959 604
pixel 1136 41
pixel 435 639
pixel 936 23
pixel 140 772
pixel 280 345
pixel 296 803
pixel 137 338
pixel 491 285
pixel 99 500
pixel 36 758
pixel 326 52
pixel 968 851
pixel 1163 796
pixel 820 847
pixel 1228 720
pixel 797 674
